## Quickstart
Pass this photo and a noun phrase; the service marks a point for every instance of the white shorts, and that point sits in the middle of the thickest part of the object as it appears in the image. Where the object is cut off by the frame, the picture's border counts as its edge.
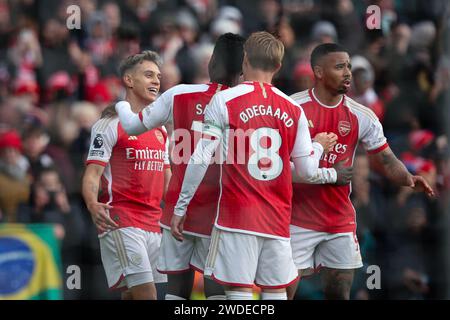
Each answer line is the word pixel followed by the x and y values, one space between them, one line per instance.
pixel 238 259
pixel 313 249
pixel 130 251
pixel 176 256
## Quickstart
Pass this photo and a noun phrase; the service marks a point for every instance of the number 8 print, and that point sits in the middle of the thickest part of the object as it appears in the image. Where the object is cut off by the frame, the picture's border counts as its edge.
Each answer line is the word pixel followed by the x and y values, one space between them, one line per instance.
pixel 265 163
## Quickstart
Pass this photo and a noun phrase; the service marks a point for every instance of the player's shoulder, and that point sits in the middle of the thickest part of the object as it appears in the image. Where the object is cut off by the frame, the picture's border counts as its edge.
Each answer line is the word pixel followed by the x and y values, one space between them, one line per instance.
pixel 284 96
pixel 301 97
pixel 106 123
pixel 187 88
pixel 359 109
pixel 234 92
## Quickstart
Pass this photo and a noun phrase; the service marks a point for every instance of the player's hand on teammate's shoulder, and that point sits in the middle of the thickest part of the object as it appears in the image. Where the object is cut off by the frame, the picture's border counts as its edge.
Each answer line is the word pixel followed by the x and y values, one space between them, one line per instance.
pixel 421 185
pixel 344 173
pixel 176 226
pixel 100 216
pixel 327 140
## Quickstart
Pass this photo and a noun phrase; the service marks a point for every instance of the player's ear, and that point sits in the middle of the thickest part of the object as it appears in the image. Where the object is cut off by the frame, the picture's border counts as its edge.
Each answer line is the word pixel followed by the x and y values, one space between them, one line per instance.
pixel 318 72
pixel 278 67
pixel 128 80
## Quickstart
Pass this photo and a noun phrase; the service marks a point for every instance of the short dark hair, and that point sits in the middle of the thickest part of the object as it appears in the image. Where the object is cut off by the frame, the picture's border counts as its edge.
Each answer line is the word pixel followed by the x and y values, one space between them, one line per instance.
pixel 226 59
pixel 131 61
pixel 324 49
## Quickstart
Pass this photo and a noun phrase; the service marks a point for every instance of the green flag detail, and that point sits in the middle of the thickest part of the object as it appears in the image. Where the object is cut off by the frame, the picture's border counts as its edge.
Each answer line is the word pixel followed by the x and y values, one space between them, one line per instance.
pixel 29 262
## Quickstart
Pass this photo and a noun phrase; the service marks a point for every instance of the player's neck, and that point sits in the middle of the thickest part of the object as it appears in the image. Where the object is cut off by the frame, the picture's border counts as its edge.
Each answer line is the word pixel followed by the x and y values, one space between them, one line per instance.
pixel 137 105
pixel 258 75
pixel 326 97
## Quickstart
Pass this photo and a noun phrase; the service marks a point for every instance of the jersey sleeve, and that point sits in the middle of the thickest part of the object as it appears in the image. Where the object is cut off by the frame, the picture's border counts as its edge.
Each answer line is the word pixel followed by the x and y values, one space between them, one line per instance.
pixel 195 171
pixel 323 176
pixel 371 134
pixel 159 112
pixel 303 145
pixel 103 139
pixel 215 117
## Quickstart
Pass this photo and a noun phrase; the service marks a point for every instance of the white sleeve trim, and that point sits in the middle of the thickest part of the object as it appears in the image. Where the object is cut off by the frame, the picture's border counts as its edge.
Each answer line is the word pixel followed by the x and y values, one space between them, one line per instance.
pixel 371 132
pixel 302 146
pixel 324 176
pixel 103 139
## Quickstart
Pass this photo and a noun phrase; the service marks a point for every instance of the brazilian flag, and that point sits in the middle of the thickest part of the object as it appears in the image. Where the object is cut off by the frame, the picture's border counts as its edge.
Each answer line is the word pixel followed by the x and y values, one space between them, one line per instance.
pixel 30 264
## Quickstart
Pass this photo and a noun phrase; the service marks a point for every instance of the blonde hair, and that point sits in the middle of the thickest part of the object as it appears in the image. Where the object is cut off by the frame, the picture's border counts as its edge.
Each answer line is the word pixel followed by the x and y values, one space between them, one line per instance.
pixel 131 61
pixel 264 51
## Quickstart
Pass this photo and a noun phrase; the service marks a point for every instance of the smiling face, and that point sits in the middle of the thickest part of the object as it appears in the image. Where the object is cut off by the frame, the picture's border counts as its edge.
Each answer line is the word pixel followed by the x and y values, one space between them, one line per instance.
pixel 144 81
pixel 334 71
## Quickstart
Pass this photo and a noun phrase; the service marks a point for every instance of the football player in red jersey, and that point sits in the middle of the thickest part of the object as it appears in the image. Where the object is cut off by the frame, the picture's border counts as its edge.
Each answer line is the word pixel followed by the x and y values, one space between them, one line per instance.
pixel 323 226
pixel 184 105
pixel 131 173
pixel 259 129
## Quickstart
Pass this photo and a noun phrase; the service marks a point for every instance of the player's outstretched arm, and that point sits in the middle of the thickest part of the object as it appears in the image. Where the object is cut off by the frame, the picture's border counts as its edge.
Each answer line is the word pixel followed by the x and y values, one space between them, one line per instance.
pixel 130 121
pixel 214 125
pixel 339 175
pixel 393 169
pixel 153 116
pixel 306 165
pixel 195 172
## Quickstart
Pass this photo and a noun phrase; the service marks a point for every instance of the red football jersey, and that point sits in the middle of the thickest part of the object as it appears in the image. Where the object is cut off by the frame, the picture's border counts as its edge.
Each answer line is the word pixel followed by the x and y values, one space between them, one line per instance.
pixel 187 104
pixel 327 207
pixel 261 130
pixel 133 180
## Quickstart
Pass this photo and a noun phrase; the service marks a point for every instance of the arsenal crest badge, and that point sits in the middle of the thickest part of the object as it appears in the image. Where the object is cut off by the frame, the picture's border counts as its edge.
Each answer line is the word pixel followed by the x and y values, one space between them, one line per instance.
pixel 344 128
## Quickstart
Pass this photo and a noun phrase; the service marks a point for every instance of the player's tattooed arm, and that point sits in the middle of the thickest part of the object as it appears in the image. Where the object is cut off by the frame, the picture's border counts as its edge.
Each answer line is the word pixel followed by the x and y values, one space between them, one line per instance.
pixel 344 173
pixel 99 211
pixel 392 168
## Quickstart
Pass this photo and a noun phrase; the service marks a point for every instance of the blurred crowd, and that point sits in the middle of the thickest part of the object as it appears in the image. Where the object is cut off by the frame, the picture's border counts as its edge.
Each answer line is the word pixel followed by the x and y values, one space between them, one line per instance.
pixel 55 82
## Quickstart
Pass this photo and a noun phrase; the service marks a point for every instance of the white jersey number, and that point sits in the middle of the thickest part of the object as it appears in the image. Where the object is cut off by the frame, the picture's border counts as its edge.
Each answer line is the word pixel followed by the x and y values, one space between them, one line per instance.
pixel 265 163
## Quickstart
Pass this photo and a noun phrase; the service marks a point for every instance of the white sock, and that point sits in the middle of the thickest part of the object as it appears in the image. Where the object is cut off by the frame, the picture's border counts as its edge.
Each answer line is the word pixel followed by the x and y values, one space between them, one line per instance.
pixel 173 297
pixel 239 295
pixel 273 296
pixel 217 297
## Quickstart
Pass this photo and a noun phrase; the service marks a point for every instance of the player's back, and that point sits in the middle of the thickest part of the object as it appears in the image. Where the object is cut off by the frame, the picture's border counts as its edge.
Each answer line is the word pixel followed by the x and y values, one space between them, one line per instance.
pixel 188 106
pixel 256 178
